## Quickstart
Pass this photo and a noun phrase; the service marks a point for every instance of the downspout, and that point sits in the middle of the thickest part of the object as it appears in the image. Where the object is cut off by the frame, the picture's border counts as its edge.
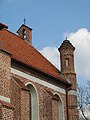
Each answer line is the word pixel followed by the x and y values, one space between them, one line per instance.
pixel 67 89
pixel 67 104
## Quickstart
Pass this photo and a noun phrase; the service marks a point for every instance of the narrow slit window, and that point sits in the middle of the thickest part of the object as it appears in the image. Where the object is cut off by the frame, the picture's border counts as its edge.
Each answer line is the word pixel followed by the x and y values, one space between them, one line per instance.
pixel 24 33
pixel 67 62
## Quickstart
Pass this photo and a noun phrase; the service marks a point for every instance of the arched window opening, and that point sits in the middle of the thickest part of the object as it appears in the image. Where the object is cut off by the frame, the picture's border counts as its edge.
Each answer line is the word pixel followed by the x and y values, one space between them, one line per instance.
pixel 34 112
pixel 24 33
pixel 67 62
pixel 58 112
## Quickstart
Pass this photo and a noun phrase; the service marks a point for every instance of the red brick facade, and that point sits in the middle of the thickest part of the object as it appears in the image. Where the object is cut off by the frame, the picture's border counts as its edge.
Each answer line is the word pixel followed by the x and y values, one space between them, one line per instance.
pixel 6 109
pixel 29 93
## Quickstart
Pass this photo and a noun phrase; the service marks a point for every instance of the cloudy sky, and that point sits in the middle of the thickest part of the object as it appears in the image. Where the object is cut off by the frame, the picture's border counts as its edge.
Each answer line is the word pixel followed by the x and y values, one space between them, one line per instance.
pixel 81 40
pixel 52 21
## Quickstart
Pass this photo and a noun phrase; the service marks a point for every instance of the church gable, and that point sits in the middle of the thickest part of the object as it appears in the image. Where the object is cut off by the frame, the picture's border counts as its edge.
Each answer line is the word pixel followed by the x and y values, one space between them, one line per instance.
pixel 26 54
pixel 35 88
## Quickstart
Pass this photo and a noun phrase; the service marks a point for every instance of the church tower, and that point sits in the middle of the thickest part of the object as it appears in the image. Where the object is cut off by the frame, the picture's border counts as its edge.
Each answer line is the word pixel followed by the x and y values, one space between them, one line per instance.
pixel 67 68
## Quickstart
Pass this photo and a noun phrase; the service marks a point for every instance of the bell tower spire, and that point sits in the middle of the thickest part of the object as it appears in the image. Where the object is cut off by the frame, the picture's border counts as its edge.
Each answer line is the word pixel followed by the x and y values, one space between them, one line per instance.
pixel 67 57
pixel 25 33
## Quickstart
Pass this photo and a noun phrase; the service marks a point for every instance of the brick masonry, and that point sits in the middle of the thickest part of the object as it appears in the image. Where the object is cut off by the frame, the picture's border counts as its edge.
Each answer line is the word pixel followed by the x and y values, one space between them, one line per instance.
pixel 67 55
pixel 25 105
pixel 26 32
pixel 5 74
pixel 6 112
pixel 45 95
pixel 47 105
pixel 50 104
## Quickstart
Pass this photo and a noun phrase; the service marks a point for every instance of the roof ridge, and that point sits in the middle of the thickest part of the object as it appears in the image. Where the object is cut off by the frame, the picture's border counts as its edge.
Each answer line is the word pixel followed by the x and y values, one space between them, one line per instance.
pixel 14 34
pixel 35 49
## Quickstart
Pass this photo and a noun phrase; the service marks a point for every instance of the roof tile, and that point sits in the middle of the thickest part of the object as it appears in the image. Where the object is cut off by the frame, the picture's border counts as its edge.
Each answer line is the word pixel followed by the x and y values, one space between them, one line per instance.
pixel 23 52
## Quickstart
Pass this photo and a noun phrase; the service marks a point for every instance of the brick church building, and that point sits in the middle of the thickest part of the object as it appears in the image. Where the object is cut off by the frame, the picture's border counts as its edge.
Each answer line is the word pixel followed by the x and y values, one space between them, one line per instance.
pixel 31 88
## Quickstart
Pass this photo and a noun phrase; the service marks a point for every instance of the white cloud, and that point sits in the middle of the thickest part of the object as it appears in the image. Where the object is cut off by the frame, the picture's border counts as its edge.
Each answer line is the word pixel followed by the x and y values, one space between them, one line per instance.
pixel 81 41
pixel 52 54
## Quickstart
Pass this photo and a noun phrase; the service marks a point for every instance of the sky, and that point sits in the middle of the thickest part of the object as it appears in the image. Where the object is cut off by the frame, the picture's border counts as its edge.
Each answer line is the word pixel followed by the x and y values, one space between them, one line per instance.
pixel 52 21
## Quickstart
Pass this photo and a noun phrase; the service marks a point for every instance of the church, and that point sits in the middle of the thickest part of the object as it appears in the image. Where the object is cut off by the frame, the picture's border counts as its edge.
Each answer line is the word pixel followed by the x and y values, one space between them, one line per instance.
pixel 31 88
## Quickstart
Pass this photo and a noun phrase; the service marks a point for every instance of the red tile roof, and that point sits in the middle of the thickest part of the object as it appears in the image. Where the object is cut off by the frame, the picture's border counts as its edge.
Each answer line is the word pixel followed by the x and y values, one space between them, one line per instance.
pixel 23 52
pixel 3 47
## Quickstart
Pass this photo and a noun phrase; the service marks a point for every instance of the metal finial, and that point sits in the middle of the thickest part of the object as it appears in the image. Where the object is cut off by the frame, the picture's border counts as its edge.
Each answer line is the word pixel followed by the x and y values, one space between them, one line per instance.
pixel 66 37
pixel 24 20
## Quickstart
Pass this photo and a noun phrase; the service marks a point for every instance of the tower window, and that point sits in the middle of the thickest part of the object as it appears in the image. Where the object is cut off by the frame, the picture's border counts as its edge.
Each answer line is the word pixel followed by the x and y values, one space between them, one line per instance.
pixel 67 62
pixel 24 33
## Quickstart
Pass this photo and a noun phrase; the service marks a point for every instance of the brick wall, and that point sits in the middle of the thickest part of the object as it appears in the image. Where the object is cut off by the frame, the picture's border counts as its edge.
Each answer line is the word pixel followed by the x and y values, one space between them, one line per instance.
pixel 5 74
pixel 6 113
pixel 67 54
pixel 20 99
pixel 25 105
pixel 28 34
pixel 72 78
pixel 15 98
pixel 45 97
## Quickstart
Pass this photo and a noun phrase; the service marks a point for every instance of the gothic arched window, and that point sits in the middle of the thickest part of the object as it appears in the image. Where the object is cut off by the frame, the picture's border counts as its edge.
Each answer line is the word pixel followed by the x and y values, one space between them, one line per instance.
pixel 34 107
pixel 58 110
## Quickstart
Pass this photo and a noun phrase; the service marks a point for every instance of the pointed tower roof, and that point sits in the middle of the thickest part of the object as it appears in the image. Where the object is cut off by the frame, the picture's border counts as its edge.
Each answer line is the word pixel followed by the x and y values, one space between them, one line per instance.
pixel 66 45
pixel 23 25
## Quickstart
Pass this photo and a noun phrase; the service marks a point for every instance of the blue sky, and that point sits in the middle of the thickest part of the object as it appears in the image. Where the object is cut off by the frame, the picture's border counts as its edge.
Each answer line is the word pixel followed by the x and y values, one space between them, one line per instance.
pixel 51 20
